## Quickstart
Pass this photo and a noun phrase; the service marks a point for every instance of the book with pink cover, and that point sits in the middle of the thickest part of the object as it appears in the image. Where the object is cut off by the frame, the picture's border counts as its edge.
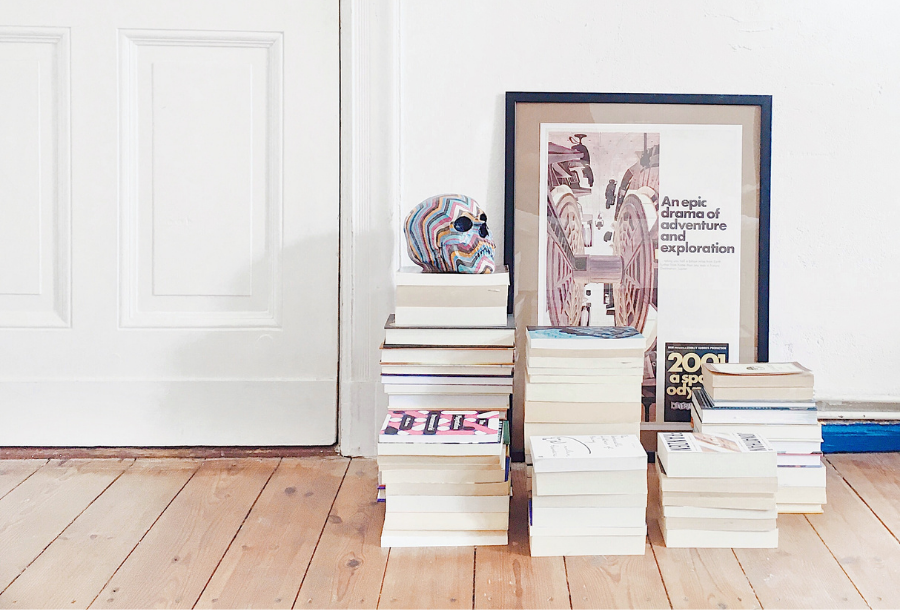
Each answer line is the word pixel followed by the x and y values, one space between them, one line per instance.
pixel 442 427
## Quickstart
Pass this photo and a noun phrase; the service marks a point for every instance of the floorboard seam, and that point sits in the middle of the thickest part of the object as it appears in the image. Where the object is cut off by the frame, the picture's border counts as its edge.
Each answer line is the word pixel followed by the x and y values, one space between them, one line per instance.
pixel 238 531
pixel 863 500
pixel 321 531
pixel 68 525
pixel 749 582
pixel 662 578
pixel 381 588
pixel 168 504
pixel 837 561
pixel 25 479
pixel 568 586
pixel 474 568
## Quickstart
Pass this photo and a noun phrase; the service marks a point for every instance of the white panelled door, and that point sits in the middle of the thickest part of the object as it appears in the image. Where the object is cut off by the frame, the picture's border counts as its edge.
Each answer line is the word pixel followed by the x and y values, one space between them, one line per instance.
pixel 169 181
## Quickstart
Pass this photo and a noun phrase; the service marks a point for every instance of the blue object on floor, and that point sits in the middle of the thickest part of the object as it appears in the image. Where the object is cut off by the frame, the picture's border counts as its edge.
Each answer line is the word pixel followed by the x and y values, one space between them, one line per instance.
pixel 860 437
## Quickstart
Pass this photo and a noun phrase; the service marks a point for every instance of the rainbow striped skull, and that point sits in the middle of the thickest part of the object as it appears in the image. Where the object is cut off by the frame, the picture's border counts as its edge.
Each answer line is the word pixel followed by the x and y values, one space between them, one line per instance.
pixel 449 234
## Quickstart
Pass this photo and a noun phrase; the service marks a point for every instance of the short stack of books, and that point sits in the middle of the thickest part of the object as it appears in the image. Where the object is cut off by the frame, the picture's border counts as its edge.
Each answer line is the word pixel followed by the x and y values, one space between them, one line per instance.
pixel 444 477
pixel 717 490
pixel 450 343
pixel 588 495
pixel 583 380
pixel 774 400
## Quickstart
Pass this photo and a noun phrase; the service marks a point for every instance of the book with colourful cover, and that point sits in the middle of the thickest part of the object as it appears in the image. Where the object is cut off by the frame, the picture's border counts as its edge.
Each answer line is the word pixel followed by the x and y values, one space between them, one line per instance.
pixel 741 454
pixel 442 427
pixel 584 337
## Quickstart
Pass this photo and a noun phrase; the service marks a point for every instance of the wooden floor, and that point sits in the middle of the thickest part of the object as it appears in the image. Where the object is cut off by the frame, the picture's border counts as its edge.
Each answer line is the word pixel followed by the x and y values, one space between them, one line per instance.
pixel 304 533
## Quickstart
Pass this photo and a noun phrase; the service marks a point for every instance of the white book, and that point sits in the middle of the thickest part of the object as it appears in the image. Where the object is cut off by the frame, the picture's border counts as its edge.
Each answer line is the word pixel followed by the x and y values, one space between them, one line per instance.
pixel 475 402
pixel 416 276
pixel 448 504
pixel 608 382
pixel 447 355
pixel 593 338
pixel 801 476
pixel 589 483
pixel 429 538
pixel 445 521
pixel 558 546
pixel 427 475
pixel 565 429
pixel 583 412
pixel 771 432
pixel 737 501
pixel 622 516
pixel 799 459
pixel 800 509
pixel 454 449
pixel 571 359
pixel 632 370
pixel 582 392
pixel 442 380
pixel 451 370
pixel 699 512
pixel 750 485
pixel 801 495
pixel 563 529
pixel 587 453
pixel 450 316
pixel 635 500
pixel 465 390
pixel 475 462
pixel 721 525
pixel 814 446
pixel 714 539
pixel 684 454
pixel 449 296
pixel 447 489
pixel 450 335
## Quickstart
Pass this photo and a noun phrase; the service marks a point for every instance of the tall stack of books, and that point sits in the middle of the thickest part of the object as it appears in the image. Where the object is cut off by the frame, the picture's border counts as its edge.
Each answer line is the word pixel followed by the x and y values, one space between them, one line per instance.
pixel 588 495
pixel 717 490
pixel 450 343
pixel 774 400
pixel 444 477
pixel 583 380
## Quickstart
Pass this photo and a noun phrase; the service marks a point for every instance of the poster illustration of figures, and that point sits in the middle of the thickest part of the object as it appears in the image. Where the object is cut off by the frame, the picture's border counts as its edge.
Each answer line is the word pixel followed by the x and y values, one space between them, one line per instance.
pixel 642 228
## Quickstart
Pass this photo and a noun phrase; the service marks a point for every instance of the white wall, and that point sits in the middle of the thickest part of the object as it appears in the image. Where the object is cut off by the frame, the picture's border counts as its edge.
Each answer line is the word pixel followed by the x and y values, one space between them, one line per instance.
pixel 834 74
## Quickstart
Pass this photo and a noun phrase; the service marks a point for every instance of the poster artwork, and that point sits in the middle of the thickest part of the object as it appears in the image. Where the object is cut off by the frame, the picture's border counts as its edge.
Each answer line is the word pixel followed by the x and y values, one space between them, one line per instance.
pixel 635 223
pixel 683 374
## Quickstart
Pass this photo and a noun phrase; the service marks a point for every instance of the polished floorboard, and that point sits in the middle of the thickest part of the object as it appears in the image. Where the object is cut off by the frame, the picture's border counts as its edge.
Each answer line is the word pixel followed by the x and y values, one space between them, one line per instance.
pixel 303 532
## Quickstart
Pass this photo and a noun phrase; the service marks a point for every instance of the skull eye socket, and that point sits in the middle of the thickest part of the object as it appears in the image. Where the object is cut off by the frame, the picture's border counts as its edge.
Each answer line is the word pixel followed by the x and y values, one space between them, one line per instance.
pixel 483 217
pixel 483 231
pixel 462 224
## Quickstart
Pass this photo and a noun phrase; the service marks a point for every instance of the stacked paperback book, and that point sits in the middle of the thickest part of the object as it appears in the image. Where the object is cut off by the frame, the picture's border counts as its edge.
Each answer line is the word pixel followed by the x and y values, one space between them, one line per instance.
pixel 450 343
pixel 447 368
pixel 588 495
pixel 717 490
pixel 583 380
pixel 774 400
pixel 444 477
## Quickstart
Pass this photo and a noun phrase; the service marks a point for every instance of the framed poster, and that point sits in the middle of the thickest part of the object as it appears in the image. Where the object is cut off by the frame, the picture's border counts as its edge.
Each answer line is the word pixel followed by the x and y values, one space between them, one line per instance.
pixel 643 210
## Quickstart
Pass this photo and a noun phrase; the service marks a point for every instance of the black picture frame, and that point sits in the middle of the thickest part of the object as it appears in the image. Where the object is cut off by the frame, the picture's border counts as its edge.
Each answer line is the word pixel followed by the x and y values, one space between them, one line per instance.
pixel 646 106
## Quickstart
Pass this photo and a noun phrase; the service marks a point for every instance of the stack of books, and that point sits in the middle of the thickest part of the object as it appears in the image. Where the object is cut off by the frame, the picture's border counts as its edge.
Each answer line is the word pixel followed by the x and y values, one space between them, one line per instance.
pixel 588 495
pixel 444 478
pixel 583 380
pixel 774 400
pixel 717 490
pixel 450 343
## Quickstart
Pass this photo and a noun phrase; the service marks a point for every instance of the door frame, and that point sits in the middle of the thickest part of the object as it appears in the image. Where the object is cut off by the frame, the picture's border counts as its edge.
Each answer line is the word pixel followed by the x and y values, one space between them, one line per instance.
pixel 370 188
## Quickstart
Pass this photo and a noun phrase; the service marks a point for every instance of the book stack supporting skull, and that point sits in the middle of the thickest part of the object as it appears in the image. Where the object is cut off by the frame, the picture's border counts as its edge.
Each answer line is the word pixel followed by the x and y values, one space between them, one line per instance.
pixel 774 400
pixel 582 380
pixel 447 368
pixel 588 495
pixel 717 490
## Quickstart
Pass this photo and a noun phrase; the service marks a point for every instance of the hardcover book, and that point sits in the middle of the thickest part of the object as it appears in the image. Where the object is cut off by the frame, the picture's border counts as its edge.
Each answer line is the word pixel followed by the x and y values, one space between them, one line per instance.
pixel 757 375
